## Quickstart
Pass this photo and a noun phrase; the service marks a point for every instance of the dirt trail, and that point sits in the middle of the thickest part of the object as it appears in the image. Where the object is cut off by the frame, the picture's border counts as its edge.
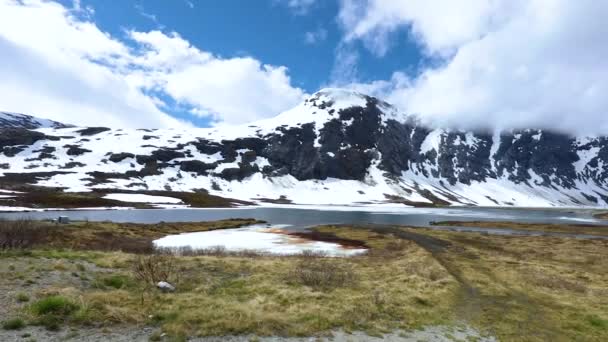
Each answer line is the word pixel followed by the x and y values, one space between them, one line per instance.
pixel 472 303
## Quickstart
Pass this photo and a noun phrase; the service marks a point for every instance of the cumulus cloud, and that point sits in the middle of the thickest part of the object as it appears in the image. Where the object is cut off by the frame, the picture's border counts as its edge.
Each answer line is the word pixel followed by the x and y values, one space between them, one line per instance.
pixel 508 64
pixel 58 65
pixel 234 90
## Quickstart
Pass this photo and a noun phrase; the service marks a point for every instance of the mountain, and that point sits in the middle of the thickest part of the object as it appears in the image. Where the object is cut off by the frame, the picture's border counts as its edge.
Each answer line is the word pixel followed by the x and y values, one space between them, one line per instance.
pixel 337 147
pixel 15 120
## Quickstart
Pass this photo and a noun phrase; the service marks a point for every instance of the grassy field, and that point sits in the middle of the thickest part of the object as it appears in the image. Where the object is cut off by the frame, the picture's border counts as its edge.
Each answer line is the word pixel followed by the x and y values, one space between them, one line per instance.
pixel 585 229
pixel 513 288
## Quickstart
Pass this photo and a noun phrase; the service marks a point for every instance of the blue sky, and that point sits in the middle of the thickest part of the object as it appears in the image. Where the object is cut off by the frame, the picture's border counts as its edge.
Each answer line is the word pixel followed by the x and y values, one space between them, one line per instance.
pixel 475 64
pixel 267 30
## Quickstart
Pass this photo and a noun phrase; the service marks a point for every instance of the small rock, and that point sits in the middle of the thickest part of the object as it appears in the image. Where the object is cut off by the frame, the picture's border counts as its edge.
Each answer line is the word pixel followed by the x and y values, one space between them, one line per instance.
pixel 165 287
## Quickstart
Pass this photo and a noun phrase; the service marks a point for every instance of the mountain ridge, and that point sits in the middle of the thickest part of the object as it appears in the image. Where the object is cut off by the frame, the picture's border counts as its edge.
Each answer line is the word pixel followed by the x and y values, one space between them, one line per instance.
pixel 18 120
pixel 337 147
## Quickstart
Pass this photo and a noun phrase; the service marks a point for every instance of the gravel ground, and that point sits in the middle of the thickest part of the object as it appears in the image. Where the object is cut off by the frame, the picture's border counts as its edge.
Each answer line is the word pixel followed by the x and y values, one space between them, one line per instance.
pixel 125 334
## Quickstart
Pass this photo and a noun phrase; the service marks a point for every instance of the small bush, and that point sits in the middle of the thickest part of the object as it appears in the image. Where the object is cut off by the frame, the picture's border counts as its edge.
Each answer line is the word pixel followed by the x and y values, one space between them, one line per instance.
pixel 56 305
pixel 21 234
pixel 323 274
pixel 13 324
pixel 151 269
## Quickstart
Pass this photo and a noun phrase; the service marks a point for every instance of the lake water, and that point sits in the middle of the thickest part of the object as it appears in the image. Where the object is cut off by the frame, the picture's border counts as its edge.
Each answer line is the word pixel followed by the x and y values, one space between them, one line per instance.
pixel 301 218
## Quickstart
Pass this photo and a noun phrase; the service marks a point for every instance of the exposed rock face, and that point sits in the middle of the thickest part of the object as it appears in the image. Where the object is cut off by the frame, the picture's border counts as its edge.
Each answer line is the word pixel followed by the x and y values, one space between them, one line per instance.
pixel 19 136
pixel 92 131
pixel 338 136
pixel 118 157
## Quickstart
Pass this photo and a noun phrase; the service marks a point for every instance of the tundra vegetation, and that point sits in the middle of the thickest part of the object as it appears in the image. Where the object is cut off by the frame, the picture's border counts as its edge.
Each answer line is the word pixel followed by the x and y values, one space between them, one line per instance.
pixel 91 275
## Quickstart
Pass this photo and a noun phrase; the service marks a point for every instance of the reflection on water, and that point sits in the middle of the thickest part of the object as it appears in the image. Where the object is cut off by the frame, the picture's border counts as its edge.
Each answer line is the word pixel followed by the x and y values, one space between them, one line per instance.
pixel 302 218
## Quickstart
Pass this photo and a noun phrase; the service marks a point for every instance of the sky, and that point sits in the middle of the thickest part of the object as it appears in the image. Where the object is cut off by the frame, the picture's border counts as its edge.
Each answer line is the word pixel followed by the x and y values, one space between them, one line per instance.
pixel 471 64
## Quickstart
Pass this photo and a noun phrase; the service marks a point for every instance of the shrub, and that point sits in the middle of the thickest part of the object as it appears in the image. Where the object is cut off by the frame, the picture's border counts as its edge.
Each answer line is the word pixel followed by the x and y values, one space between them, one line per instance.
pixel 151 269
pixel 323 274
pixel 13 324
pixel 21 234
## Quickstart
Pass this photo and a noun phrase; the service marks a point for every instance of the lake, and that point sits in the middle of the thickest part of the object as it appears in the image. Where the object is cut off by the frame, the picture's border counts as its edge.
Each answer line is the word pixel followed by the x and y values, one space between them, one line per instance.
pixel 302 218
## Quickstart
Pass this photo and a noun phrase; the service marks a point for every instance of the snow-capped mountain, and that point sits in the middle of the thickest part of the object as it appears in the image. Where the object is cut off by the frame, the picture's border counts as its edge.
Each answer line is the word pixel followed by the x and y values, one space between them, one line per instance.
pixel 337 147
pixel 15 120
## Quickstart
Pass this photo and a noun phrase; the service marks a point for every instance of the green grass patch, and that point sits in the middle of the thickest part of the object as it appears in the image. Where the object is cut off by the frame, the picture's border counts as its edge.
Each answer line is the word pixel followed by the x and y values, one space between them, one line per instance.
pixel 56 305
pixel 13 324
pixel 115 281
pixel 597 322
pixel 22 297
pixel 51 312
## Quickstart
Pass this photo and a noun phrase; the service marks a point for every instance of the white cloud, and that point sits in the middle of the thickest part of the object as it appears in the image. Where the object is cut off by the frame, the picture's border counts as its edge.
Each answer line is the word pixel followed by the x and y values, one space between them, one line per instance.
pixel 536 63
pixel 152 17
pixel 314 37
pixel 58 65
pixel 234 90
pixel 345 68
pixel 441 25
pixel 298 7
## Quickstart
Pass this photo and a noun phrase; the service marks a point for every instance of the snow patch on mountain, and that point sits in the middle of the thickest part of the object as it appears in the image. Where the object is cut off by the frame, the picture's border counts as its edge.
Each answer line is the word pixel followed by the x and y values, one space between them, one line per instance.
pixel 338 147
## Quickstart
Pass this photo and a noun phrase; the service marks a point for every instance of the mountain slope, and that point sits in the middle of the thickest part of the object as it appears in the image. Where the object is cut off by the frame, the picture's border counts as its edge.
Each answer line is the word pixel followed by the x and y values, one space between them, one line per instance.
pixel 15 120
pixel 338 147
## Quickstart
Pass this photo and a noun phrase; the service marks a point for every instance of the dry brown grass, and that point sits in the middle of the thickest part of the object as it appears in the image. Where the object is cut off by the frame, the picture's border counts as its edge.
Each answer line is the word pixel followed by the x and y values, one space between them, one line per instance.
pixel 540 288
pixel 515 288
pixel 323 274
pixel 21 234
pixel 539 227
pixel 127 237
